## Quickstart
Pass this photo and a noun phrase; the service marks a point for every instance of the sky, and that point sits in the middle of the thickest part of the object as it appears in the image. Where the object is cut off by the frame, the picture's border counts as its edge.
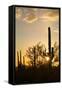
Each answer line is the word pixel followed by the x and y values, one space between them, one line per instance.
pixel 32 27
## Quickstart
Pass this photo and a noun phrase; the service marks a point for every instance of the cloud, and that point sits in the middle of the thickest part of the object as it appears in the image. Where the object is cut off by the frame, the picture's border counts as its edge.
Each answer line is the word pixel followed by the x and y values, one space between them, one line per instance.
pixel 56 31
pixel 18 13
pixel 31 15
pixel 30 18
pixel 48 18
pixel 51 15
pixel 43 14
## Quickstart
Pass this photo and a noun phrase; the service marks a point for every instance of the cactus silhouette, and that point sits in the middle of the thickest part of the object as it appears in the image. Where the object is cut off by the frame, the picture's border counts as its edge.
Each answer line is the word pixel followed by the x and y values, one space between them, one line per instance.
pixel 18 58
pixel 24 60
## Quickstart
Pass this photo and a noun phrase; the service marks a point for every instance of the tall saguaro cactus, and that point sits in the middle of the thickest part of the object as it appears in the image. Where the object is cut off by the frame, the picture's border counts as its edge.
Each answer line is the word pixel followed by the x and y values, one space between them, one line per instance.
pixel 18 58
pixel 24 60
pixel 49 45
pixel 49 40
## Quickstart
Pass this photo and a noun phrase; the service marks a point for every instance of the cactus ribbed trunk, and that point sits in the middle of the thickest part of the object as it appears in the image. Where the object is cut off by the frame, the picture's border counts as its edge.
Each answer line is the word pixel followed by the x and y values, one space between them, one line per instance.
pixel 52 53
pixel 18 58
pixel 23 60
pixel 49 45
pixel 49 40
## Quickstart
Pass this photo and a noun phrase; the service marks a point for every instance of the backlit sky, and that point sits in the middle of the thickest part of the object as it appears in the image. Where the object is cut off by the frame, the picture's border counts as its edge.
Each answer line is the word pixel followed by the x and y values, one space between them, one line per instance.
pixel 32 26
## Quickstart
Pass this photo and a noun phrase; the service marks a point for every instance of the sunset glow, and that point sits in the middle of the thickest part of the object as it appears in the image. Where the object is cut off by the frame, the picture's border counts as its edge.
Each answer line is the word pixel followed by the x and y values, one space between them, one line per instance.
pixel 32 27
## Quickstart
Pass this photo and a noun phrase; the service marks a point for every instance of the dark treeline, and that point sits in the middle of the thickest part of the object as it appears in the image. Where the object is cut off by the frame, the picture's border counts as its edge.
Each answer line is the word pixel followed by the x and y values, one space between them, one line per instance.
pixel 37 71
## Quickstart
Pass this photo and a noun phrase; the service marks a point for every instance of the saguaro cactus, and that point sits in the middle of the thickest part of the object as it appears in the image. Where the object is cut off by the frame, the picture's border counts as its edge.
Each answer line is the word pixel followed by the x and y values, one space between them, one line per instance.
pixel 18 58
pixel 52 53
pixel 24 60
pixel 49 40
pixel 49 45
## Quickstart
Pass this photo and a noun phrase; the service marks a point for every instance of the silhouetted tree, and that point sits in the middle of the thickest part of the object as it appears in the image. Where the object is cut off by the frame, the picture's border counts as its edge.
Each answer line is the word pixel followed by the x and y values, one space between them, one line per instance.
pixel 41 49
pixel 31 53
pixel 34 55
pixel 56 47
pixel 36 51
pixel 56 51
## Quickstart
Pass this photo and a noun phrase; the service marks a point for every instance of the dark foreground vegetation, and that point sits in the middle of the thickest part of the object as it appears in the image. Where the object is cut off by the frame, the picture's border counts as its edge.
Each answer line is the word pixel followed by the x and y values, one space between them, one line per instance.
pixel 42 74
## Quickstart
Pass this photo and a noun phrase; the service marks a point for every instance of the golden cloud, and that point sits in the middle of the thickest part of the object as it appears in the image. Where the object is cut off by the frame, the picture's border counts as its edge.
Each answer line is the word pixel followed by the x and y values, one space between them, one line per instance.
pixel 54 13
pixel 30 18
pixel 18 13
pixel 32 15
pixel 50 16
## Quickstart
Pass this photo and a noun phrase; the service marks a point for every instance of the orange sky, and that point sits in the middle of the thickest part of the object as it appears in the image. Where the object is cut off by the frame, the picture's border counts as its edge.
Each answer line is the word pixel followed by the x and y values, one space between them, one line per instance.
pixel 32 26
